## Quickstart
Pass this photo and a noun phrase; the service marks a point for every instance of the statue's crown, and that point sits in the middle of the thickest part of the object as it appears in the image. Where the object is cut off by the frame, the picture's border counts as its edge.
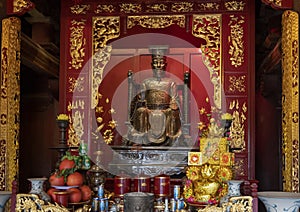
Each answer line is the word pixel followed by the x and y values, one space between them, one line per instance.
pixel 161 50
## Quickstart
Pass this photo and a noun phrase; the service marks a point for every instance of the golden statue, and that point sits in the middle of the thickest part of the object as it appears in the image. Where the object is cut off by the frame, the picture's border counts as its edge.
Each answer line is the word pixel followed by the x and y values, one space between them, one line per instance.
pixel 155 118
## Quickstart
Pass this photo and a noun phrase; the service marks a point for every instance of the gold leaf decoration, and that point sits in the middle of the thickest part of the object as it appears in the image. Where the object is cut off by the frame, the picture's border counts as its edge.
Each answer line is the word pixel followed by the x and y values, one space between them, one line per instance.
pixel 130 8
pixel 235 5
pixel 80 9
pixel 236 40
pixel 208 27
pixel 105 8
pixel 77 44
pixel 237 83
pixel 155 21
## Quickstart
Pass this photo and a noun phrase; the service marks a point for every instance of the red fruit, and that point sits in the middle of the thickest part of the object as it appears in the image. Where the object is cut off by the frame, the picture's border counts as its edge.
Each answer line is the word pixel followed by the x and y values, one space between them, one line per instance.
pixel 74 195
pixel 86 192
pixel 51 193
pixel 75 179
pixel 66 164
pixel 54 180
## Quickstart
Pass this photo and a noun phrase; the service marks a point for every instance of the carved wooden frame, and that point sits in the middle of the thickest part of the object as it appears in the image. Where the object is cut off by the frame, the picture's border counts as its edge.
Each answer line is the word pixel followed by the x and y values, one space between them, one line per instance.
pixel 200 22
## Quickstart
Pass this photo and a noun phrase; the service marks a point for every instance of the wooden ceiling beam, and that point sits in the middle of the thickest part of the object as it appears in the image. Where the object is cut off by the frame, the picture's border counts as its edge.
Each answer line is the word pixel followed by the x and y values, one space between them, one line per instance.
pixel 271 61
pixel 35 57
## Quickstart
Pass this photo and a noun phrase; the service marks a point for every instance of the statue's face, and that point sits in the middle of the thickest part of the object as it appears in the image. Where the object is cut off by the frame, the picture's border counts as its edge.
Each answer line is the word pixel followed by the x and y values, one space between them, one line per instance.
pixel 158 65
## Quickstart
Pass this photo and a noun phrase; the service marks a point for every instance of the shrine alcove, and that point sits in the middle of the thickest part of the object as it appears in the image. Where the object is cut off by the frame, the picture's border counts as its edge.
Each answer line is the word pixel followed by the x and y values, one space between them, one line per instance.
pixel 112 39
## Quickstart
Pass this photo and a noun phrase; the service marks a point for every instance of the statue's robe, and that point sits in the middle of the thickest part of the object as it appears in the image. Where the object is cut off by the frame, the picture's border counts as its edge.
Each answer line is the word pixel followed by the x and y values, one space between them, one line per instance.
pixel 157 119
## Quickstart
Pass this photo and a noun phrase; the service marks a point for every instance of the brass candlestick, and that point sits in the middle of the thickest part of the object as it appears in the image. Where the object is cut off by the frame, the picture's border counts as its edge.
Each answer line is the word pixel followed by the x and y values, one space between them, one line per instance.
pixel 63 124
pixel 62 146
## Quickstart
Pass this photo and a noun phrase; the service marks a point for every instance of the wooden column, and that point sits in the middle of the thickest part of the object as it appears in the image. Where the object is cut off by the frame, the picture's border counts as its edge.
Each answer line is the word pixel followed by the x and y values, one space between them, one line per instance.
pixel 9 101
pixel 290 101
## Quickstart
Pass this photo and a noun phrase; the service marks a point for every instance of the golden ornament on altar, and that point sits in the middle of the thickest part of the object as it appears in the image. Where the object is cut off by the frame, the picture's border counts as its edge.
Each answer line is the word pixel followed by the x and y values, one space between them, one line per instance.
pixel 195 158
pixel 226 116
pixel 227 159
pixel 62 117
pixel 204 191
pixel 211 167
pixel 224 174
pixel 207 171
pixel 193 173
pixel 188 193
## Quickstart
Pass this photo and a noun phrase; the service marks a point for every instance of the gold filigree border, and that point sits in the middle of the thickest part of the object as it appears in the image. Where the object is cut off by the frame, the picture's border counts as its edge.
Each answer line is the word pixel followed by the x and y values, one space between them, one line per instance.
pixel 290 101
pixel 105 28
pixel 10 98
pixel 209 28
pixel 162 7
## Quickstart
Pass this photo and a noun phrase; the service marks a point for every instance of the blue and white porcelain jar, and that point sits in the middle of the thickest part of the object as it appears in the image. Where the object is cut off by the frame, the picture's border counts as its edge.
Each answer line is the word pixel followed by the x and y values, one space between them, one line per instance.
pixel 37 187
pixel 4 197
pixel 234 190
pixel 278 201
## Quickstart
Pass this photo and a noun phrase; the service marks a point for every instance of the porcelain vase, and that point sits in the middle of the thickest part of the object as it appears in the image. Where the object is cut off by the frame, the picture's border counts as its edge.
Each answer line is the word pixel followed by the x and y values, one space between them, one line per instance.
pixel 280 201
pixel 234 189
pixel 4 197
pixel 37 187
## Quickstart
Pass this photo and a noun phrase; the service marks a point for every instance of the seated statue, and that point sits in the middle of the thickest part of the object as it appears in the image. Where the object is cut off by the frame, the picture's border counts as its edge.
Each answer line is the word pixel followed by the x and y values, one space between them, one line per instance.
pixel 155 117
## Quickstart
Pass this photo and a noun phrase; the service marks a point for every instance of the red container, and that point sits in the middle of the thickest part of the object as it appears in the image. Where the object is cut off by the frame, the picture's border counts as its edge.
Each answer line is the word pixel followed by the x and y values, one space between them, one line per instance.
pixel 162 186
pixel 142 184
pixel 62 198
pixel 121 185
